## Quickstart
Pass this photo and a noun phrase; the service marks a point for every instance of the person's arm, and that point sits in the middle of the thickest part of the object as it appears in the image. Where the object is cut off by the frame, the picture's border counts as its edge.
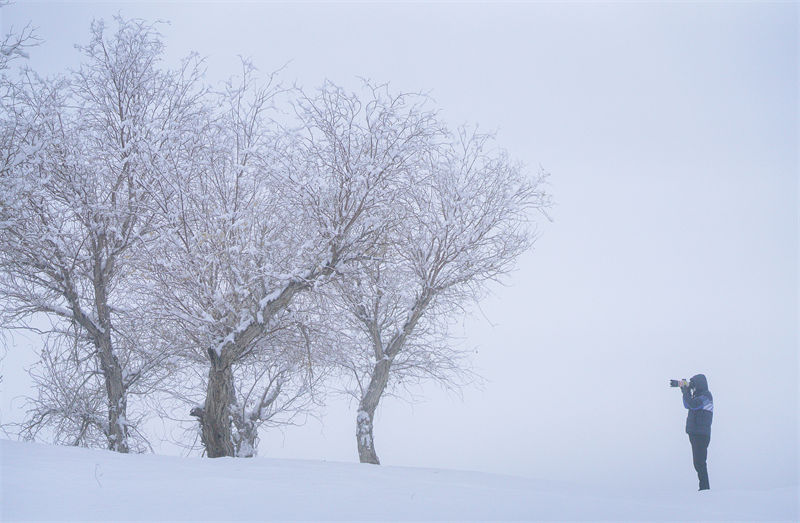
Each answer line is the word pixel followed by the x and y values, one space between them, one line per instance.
pixel 689 402
pixel 696 402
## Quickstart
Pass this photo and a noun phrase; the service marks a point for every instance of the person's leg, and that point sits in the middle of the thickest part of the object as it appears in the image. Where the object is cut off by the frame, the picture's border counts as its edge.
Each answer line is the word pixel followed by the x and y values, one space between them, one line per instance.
pixel 704 485
pixel 699 455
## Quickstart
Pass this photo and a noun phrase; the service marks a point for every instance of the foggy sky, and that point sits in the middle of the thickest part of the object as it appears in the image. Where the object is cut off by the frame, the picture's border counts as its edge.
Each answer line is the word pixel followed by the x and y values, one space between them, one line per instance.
pixel 671 133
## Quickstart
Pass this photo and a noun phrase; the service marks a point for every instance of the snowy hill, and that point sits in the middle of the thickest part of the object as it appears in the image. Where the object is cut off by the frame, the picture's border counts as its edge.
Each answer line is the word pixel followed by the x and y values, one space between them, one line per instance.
pixel 41 482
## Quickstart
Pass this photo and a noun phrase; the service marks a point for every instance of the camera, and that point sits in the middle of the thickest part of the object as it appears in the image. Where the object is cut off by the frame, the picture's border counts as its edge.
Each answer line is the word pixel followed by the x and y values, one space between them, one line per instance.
pixel 679 383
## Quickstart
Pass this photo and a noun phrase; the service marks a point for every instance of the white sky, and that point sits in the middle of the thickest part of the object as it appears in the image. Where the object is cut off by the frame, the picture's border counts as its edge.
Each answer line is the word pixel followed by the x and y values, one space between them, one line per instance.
pixel 671 132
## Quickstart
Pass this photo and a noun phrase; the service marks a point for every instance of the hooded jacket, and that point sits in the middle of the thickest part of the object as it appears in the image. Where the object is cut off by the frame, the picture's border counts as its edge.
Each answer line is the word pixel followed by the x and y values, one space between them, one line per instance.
pixel 700 403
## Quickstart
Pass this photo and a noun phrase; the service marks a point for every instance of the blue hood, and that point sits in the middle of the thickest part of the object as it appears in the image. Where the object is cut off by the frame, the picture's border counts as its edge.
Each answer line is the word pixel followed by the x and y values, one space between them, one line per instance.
pixel 699 383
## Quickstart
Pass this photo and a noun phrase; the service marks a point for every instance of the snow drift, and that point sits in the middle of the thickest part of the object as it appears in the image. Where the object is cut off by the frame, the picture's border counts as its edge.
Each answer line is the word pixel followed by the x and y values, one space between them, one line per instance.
pixel 41 482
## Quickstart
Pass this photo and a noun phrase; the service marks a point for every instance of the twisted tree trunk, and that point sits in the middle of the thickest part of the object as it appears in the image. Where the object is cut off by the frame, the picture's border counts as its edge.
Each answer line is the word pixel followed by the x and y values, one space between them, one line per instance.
pixel 215 418
pixel 217 415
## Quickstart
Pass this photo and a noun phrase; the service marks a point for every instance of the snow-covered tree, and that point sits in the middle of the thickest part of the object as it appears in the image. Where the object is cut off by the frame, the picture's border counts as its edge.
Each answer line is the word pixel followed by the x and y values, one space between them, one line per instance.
pixel 269 211
pixel 75 209
pixel 222 251
pixel 224 233
pixel 16 43
pixel 13 47
pixel 462 223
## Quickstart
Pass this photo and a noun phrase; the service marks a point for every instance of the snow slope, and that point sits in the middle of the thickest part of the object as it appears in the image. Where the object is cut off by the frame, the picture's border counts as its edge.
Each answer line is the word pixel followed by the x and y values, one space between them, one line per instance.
pixel 41 482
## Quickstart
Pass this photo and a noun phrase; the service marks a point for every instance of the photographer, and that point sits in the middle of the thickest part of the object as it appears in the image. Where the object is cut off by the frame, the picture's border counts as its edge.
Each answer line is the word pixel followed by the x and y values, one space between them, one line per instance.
pixel 698 399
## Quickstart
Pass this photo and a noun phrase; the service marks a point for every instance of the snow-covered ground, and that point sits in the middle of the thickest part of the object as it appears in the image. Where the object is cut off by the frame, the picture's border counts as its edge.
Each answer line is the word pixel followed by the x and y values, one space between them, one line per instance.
pixel 41 482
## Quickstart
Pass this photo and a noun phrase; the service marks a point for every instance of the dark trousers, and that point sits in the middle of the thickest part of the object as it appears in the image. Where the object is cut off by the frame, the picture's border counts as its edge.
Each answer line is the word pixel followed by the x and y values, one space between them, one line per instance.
pixel 699 454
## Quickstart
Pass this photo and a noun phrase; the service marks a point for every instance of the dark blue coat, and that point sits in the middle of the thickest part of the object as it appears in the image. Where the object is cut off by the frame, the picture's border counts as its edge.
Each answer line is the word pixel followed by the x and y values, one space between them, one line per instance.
pixel 700 403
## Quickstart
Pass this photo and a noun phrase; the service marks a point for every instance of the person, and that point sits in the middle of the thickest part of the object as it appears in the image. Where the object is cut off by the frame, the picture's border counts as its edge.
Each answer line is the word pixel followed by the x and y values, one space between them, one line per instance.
pixel 700 403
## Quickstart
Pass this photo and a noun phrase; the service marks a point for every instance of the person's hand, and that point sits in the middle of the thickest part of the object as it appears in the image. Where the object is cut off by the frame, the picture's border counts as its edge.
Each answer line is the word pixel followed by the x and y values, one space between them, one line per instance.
pixel 684 384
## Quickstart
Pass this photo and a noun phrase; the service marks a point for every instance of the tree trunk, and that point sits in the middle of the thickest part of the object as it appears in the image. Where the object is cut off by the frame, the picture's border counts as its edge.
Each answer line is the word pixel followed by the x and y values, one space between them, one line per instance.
pixel 215 422
pixel 246 439
pixel 366 412
pixel 109 363
pixel 117 433
pixel 117 411
pixel 366 442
